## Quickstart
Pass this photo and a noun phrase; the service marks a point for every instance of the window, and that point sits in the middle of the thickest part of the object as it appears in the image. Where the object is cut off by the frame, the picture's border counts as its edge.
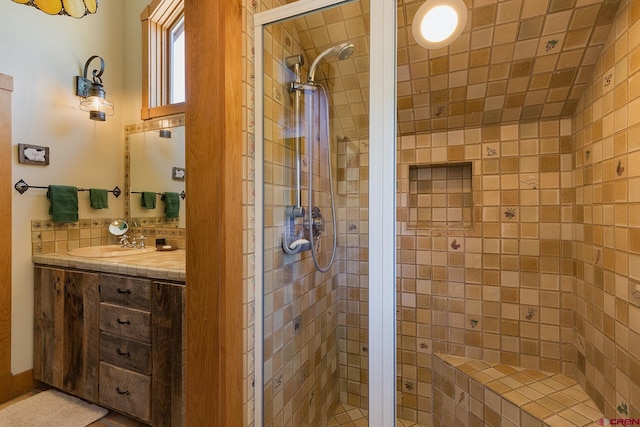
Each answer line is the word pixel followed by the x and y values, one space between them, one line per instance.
pixel 163 64
pixel 177 73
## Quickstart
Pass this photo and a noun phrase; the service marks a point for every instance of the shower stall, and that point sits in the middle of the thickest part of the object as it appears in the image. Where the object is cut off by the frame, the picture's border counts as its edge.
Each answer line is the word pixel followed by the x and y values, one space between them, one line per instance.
pixel 325 301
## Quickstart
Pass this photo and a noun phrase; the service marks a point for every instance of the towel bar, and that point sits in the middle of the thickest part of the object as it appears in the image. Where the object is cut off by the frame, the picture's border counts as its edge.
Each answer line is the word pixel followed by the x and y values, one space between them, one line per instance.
pixel 182 195
pixel 21 187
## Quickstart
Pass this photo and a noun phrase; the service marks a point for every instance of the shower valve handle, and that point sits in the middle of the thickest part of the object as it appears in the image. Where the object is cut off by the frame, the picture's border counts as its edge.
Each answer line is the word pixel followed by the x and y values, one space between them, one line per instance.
pixel 317 222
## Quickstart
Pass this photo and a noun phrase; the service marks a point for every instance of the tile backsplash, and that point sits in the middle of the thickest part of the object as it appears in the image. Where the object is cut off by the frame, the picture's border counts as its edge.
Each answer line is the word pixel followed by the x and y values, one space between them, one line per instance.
pixel 48 236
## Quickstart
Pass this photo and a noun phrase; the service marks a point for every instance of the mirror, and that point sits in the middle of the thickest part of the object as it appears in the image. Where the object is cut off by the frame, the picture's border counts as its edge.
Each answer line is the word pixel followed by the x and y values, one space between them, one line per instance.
pixel 156 164
pixel 118 227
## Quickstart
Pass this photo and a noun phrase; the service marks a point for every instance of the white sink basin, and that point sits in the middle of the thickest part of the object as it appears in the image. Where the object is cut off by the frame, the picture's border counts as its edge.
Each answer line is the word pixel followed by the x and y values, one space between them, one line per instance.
pixel 108 251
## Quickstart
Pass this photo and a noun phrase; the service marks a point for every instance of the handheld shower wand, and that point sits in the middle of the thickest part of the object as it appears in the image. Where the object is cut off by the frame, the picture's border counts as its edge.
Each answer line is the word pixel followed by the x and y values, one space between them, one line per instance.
pixel 342 52
pixel 314 215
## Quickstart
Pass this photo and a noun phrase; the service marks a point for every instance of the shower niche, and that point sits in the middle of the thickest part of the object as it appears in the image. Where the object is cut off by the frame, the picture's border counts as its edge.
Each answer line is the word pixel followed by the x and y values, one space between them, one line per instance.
pixel 441 195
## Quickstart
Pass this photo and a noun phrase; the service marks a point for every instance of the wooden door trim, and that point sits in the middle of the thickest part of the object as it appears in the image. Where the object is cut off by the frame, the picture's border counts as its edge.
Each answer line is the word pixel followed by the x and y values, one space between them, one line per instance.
pixel 6 87
pixel 8 383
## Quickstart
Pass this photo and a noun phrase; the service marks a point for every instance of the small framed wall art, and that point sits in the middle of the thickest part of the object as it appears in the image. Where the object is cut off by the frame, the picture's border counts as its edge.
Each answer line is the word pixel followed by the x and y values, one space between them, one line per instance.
pixel 33 154
pixel 178 174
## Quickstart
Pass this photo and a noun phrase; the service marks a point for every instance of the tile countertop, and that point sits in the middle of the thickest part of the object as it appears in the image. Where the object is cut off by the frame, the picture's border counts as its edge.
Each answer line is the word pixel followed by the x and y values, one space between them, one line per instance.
pixel 166 265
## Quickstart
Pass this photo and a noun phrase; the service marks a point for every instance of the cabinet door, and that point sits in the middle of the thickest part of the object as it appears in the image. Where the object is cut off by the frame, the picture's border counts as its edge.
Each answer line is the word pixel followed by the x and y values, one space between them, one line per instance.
pixel 48 343
pixel 67 330
pixel 81 331
pixel 167 379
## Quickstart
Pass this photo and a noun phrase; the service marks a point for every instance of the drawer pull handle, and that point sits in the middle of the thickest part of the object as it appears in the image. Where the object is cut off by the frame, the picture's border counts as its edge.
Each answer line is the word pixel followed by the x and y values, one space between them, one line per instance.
pixel 125 392
pixel 122 353
pixel 126 291
pixel 123 322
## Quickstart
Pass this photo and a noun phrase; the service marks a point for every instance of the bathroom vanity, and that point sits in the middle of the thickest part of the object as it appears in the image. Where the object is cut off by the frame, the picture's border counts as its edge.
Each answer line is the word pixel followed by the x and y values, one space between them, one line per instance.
pixel 112 331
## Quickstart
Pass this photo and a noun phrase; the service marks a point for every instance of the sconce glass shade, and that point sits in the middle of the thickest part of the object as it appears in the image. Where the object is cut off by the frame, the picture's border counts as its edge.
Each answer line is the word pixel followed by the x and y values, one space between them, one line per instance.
pixel 74 8
pixel 96 104
pixel 93 93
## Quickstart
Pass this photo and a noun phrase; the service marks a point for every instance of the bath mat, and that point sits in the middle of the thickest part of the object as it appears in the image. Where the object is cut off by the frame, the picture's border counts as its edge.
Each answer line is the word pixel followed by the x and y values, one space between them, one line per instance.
pixel 50 408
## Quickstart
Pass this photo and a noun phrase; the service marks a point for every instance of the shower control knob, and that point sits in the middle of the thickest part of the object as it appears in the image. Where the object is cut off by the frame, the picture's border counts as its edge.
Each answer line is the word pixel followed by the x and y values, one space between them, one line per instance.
pixel 318 222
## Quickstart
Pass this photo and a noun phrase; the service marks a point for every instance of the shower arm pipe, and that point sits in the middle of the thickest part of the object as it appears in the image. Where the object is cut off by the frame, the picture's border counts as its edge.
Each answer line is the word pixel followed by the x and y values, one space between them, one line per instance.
pixel 341 51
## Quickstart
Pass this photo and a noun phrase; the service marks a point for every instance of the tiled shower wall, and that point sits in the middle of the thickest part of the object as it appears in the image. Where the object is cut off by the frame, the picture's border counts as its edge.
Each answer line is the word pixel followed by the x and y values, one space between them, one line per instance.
pixel 353 321
pixel 607 223
pixel 501 289
pixel 249 8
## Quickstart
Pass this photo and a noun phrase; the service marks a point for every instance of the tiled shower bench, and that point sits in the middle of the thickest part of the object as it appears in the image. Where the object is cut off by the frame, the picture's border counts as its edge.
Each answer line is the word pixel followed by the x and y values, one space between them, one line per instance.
pixel 470 392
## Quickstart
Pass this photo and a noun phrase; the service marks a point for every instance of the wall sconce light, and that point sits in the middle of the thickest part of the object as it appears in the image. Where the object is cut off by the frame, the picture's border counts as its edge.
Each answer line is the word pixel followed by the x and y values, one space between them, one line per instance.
pixel 93 93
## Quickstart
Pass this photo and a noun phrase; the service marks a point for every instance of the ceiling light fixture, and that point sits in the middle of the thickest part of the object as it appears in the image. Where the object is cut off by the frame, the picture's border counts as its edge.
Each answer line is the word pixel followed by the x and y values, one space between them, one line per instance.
pixel 437 23
pixel 93 93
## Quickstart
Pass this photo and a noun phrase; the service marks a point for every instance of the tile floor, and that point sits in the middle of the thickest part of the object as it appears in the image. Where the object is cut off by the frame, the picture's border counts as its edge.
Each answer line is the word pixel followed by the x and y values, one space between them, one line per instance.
pixel 350 416
pixel 345 416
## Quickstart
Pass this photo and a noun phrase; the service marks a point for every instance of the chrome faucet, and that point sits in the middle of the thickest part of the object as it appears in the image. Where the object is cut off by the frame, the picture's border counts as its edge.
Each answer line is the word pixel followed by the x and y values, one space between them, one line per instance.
pixel 136 242
pixel 139 241
pixel 124 241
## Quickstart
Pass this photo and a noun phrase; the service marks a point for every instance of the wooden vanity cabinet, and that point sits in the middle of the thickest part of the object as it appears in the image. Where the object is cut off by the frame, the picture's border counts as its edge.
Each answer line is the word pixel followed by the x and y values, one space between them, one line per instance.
pixel 114 340
pixel 67 330
pixel 125 345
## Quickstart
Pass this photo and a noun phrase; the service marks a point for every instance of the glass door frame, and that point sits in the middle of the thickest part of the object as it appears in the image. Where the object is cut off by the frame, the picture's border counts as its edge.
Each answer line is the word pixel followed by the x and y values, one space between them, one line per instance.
pixel 382 203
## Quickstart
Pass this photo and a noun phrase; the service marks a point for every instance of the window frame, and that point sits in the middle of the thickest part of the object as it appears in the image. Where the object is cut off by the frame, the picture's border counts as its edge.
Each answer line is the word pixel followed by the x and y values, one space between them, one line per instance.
pixel 158 19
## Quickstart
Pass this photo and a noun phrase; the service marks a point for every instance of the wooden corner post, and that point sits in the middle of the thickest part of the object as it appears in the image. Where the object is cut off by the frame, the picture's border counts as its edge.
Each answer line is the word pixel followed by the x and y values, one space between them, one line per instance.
pixel 213 31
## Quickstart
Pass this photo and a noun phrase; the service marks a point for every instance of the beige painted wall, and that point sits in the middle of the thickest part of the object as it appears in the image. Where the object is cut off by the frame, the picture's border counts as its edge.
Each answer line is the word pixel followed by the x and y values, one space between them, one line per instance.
pixel 46 112
pixel 132 60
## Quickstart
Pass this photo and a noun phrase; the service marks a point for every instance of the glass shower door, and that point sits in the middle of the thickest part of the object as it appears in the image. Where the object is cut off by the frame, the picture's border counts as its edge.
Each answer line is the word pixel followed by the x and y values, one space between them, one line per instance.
pixel 312 165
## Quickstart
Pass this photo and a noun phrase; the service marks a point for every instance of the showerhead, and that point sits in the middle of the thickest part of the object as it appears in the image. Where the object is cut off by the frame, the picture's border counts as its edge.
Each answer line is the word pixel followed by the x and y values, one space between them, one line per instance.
pixel 342 52
pixel 345 51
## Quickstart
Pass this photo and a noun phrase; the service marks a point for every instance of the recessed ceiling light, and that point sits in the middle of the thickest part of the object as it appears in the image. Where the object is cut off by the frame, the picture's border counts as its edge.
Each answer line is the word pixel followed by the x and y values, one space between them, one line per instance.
pixel 439 22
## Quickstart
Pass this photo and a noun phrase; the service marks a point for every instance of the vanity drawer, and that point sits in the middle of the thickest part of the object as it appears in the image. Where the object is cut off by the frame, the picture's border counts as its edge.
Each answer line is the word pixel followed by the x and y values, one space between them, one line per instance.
pixel 127 322
pixel 126 291
pixel 125 391
pixel 125 353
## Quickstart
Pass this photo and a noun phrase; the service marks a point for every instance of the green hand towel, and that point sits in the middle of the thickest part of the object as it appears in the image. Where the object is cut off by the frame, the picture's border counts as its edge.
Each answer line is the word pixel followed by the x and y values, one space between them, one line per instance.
pixel 149 199
pixel 171 205
pixel 99 198
pixel 64 203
